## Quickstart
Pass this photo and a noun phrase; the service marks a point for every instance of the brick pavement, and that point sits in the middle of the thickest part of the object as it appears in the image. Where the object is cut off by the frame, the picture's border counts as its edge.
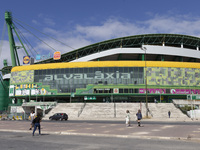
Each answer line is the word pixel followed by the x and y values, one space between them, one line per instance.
pixel 113 129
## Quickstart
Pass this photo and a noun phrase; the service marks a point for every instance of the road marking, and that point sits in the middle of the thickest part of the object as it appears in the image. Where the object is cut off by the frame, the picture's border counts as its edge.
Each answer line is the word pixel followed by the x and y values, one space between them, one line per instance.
pixel 71 130
pixel 164 127
pixel 106 131
pixel 140 133
pixel 155 130
pixel 113 125
pixel 121 129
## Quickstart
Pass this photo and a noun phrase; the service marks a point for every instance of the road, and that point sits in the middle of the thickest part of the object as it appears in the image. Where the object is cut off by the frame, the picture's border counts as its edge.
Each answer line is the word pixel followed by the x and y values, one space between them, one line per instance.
pixel 24 141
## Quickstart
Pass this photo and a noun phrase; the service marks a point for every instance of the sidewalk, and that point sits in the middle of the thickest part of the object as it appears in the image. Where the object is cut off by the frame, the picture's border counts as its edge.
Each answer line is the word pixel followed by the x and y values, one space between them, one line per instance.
pixel 110 129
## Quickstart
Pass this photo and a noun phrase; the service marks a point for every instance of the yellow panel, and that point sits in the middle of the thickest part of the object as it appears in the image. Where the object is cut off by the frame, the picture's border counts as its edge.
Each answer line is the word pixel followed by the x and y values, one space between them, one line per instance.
pixel 106 64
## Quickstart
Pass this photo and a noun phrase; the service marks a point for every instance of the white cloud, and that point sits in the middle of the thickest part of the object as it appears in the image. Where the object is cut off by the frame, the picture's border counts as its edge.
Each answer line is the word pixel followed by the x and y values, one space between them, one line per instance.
pixel 35 22
pixel 174 24
pixel 47 19
pixel 114 28
pixel 5 53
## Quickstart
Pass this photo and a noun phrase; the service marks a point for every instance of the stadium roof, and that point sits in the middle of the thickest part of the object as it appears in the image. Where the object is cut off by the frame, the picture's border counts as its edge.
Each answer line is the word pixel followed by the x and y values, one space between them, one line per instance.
pixel 172 40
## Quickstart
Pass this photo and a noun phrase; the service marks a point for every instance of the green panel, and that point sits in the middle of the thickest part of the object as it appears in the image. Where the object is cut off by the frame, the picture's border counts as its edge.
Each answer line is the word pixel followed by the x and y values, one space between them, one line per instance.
pixel 4 98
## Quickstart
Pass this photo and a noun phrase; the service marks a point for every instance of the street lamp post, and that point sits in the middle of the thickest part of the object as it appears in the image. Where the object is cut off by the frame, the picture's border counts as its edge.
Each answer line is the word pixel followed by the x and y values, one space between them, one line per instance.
pixel 147 109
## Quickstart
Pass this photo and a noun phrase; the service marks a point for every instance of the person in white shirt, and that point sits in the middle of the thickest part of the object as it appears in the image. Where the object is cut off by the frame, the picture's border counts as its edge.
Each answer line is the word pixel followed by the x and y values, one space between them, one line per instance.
pixel 32 117
pixel 128 124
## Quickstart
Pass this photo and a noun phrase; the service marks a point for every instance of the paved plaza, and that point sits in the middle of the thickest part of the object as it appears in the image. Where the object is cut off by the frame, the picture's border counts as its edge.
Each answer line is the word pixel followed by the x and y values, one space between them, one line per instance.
pixel 175 130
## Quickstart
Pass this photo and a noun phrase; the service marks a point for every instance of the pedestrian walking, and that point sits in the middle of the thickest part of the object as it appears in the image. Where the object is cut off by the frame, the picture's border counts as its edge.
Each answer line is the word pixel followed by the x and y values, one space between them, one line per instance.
pixel 36 122
pixel 169 114
pixel 139 117
pixel 128 118
pixel 32 117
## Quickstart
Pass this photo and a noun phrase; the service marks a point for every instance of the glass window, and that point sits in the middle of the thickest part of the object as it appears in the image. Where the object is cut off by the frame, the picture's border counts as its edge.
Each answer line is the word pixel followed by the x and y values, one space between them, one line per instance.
pixel 57 71
pixel 115 69
pixel 75 70
pixel 126 69
pixel 141 70
pixel 36 72
pixel 49 71
pixel 126 91
pixel 36 78
pixel 111 90
pixel 101 69
pixel 135 69
pixel 91 70
pixel 53 71
pixel 70 70
pixel 85 70
pixel 168 91
pixel 130 69
pixel 111 70
pixel 121 69
pixel 121 90
pixel 106 70
pixel 96 69
pixel 40 72
pixel 62 71
pixel 81 70
pixel 67 70
pixel 130 90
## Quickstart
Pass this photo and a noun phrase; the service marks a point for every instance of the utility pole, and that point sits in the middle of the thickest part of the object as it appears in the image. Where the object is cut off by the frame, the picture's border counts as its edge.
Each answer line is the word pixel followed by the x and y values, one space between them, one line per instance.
pixel 147 108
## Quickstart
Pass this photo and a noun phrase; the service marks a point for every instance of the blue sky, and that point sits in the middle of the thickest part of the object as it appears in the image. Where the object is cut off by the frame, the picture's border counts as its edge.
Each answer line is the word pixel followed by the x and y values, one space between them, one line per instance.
pixel 79 23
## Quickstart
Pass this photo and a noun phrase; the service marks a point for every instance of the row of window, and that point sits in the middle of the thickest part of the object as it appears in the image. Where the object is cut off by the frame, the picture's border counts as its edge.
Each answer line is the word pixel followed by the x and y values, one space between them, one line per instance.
pixel 121 90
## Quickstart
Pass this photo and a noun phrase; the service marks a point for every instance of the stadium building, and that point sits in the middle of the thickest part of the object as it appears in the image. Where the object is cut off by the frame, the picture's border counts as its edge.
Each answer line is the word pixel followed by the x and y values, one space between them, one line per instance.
pixel 127 69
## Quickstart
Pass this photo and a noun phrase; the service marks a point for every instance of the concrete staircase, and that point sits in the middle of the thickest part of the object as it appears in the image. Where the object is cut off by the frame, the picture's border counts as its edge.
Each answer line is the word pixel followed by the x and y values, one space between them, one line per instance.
pixel 132 107
pixel 98 110
pixel 95 111
pixel 72 109
pixel 160 110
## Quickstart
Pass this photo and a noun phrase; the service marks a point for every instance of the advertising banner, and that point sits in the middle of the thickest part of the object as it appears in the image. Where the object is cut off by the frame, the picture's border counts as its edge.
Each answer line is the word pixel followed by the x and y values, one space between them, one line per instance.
pixel 26 59
pixel 152 91
pixel 185 91
pixel 57 55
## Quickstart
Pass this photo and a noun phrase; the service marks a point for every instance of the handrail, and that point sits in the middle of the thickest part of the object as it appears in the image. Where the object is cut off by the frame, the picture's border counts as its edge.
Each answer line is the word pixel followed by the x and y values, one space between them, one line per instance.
pixel 81 110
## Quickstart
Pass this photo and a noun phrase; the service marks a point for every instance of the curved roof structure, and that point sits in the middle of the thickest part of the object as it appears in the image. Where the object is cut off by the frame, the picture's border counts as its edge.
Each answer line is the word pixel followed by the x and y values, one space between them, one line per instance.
pixel 167 47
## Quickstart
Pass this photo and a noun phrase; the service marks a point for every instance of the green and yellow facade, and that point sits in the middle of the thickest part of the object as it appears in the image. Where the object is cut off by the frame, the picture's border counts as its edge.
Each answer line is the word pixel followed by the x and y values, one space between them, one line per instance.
pixel 105 81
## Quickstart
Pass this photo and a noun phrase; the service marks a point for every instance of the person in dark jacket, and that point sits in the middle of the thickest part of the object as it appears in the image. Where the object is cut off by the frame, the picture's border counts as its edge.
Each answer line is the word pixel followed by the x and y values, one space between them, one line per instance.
pixel 169 114
pixel 139 117
pixel 37 121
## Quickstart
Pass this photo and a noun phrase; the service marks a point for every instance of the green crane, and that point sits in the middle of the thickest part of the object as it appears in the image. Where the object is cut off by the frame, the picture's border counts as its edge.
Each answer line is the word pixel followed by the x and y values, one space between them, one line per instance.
pixel 13 48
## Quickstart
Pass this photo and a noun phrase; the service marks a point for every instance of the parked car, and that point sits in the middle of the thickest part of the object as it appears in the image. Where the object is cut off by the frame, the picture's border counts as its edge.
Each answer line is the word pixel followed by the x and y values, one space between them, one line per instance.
pixel 59 116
